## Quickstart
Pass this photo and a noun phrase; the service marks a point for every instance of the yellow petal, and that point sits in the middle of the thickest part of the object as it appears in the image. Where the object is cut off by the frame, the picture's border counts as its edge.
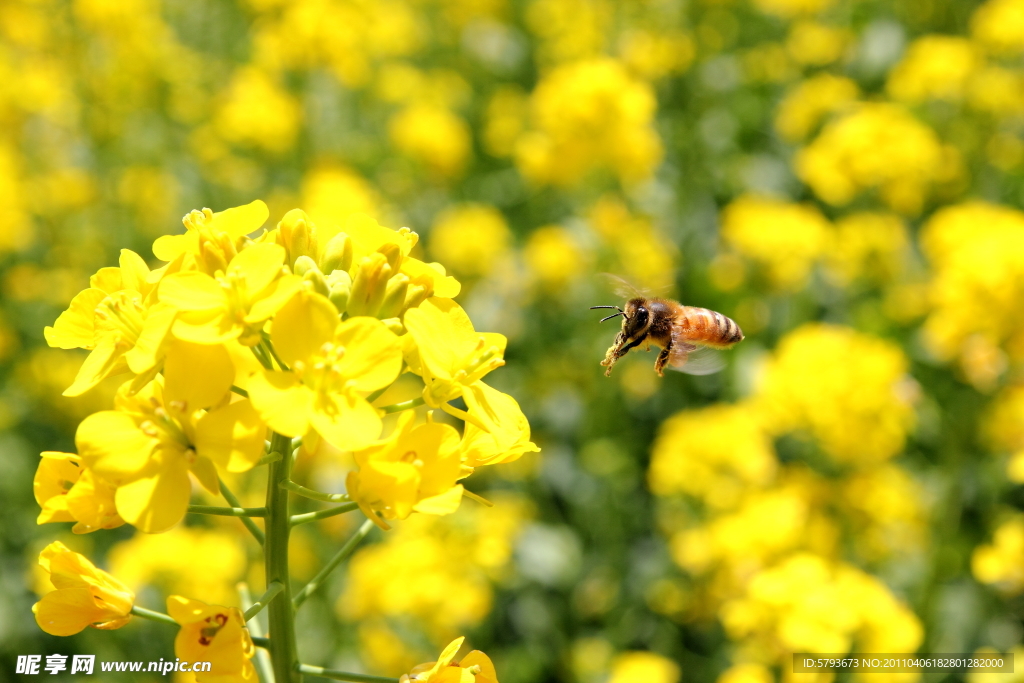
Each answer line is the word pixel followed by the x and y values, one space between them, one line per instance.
pixel 205 327
pixel 232 436
pixel 67 611
pixel 273 298
pixel 345 420
pixel 154 504
pixel 444 335
pixel 257 266
pixel 303 325
pixel 105 360
pixel 192 291
pixel 442 504
pixel 111 444
pixel 282 401
pixel 200 375
pixel 241 220
pixel 148 348
pixel 107 279
pixel 487 672
pixel 134 271
pixel 496 412
pixel 373 354
pixel 75 328
pixel 445 286
pixel 170 247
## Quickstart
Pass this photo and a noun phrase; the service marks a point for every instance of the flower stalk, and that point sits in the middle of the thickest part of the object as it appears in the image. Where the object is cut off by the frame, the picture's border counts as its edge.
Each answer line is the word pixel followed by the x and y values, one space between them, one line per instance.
pixel 281 615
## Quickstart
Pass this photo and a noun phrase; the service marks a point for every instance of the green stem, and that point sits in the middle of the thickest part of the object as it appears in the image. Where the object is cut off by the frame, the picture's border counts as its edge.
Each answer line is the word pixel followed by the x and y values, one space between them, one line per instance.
pixel 268 458
pixel 404 405
pixel 375 395
pixel 272 590
pixel 281 614
pixel 268 346
pixel 323 514
pixel 240 391
pixel 153 616
pixel 261 660
pixel 227 512
pixel 233 501
pixel 314 495
pixel 338 558
pixel 344 675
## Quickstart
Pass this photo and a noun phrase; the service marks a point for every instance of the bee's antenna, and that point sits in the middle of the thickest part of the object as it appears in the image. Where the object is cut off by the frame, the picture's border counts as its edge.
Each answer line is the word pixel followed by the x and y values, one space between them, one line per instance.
pixel 613 315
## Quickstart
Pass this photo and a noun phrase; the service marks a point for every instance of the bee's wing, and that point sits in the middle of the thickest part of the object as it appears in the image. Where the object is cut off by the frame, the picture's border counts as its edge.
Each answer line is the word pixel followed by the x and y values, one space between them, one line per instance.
pixel 627 290
pixel 697 360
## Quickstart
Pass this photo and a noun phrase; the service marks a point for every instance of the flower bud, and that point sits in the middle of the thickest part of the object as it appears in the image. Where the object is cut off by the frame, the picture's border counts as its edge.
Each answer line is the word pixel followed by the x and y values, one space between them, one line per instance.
pixel 393 253
pixel 395 325
pixel 303 265
pixel 419 291
pixel 369 285
pixel 316 279
pixel 394 296
pixel 337 254
pixel 340 284
pixel 297 234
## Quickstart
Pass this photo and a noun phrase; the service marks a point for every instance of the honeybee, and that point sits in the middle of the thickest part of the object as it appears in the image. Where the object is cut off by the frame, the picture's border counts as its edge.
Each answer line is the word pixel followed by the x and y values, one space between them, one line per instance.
pixel 687 335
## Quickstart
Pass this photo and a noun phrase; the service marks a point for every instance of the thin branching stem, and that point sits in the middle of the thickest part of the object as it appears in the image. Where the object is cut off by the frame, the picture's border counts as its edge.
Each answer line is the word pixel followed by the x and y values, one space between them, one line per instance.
pixel 323 514
pixel 153 616
pixel 339 557
pixel 227 512
pixel 272 590
pixel 314 495
pixel 344 675
pixel 233 501
pixel 404 405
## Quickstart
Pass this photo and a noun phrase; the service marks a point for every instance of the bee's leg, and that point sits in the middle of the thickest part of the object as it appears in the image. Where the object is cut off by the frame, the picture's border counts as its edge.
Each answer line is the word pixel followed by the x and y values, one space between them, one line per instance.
pixel 659 365
pixel 617 350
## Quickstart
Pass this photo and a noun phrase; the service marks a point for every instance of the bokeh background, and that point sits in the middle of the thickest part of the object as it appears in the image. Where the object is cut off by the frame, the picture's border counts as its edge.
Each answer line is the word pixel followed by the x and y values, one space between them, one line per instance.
pixel 841 177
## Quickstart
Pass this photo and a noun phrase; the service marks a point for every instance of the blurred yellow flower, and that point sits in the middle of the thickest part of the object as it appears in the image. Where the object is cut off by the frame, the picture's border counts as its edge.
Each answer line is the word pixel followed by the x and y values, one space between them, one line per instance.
pixel 84 595
pixel 258 112
pixel 999 26
pixel 435 572
pixel 859 410
pixel 994 89
pixel 434 136
pixel 934 67
pixel 807 103
pixel 569 29
pixel 414 469
pixel 644 255
pixel 1001 563
pixel 784 237
pixel 688 457
pixel 331 193
pixel 588 116
pixel 215 634
pixel 643 667
pixel 792 8
pixel 877 146
pixel 1004 429
pixel 169 560
pixel 555 257
pixel 976 252
pixel 809 604
pixel 656 54
pixel 869 245
pixel 816 44
pixel 470 239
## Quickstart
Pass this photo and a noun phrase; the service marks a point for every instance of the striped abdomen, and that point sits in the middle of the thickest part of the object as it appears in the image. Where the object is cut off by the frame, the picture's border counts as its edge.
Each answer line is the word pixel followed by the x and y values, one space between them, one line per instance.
pixel 707 327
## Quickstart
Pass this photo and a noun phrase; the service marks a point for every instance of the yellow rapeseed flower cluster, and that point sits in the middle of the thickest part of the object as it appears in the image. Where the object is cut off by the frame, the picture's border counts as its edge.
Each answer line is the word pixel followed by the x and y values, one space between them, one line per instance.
pixel 858 410
pixel 589 116
pixel 877 146
pixel 1000 562
pixel 976 251
pixel 445 589
pixel 294 332
pixel 784 238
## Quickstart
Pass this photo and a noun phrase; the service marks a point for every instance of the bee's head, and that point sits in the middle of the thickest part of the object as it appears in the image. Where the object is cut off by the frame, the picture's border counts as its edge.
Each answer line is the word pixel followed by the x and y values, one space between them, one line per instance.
pixel 636 318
